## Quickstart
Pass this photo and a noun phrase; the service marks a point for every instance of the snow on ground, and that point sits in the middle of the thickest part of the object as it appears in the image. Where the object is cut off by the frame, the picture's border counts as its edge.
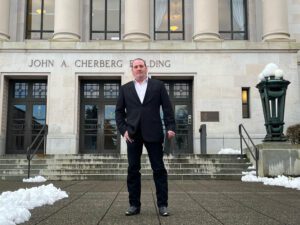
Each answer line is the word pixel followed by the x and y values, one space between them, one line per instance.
pixel 229 151
pixel 288 182
pixel 15 206
pixel 251 167
pixel 35 179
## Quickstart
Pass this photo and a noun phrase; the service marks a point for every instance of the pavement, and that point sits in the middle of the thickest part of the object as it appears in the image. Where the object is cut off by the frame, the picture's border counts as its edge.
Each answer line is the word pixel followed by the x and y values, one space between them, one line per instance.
pixel 207 202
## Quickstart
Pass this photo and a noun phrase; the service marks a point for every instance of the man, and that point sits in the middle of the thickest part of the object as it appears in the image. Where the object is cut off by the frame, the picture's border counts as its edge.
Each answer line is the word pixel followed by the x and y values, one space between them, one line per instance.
pixel 138 120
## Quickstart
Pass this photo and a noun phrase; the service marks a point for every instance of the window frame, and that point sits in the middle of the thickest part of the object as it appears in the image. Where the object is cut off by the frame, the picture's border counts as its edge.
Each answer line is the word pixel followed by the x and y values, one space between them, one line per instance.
pixel 105 31
pixel 41 31
pixel 247 104
pixel 231 31
pixel 169 32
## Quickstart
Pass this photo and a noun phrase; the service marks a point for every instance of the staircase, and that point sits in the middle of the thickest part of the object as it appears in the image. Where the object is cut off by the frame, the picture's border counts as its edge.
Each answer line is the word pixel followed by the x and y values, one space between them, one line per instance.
pixel 114 167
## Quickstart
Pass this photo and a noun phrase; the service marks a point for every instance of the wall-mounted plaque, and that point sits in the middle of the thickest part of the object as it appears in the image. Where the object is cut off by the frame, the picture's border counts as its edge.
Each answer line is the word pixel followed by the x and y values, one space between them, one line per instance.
pixel 210 117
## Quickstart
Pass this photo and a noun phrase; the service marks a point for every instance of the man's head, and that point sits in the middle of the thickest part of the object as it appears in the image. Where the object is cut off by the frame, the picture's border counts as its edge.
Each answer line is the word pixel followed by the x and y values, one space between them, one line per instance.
pixel 139 69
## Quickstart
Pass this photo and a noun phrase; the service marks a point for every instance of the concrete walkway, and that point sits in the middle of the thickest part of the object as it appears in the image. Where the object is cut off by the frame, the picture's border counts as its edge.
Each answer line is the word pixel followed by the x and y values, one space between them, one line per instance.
pixel 190 202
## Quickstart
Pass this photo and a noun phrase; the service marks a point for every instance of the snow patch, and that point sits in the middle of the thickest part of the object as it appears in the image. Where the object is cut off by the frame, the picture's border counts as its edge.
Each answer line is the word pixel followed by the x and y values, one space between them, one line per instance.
pixel 229 151
pixel 283 181
pixel 15 206
pixel 35 179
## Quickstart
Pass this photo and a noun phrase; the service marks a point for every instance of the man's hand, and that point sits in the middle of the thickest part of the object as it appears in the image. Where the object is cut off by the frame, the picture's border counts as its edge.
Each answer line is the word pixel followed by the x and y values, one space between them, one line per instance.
pixel 127 138
pixel 171 134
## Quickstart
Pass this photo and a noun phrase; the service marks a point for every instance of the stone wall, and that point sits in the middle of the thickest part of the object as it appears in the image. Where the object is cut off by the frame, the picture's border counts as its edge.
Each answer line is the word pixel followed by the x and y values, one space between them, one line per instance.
pixel 219 70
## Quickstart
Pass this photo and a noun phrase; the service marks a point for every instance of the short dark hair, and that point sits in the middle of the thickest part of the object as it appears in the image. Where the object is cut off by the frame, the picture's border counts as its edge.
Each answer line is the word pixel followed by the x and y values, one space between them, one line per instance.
pixel 140 60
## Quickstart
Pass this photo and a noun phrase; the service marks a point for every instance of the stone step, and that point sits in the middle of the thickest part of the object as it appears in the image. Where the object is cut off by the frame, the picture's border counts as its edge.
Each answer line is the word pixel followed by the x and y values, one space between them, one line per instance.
pixel 76 159
pixel 148 171
pixel 118 156
pixel 120 165
pixel 48 172
pixel 101 161
pixel 74 167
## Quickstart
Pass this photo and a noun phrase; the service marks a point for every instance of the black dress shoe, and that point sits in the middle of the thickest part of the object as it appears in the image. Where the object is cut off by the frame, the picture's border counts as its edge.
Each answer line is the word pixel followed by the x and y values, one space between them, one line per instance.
pixel 133 210
pixel 163 211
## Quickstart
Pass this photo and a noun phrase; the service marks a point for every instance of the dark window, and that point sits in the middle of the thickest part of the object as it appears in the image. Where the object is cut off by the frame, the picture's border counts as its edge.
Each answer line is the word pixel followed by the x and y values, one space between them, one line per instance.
pixel 91 90
pixel 105 20
pixel 169 20
pixel 233 19
pixel 167 88
pixel 20 90
pixel 245 103
pixel 111 90
pixel 40 19
pixel 181 90
pixel 39 90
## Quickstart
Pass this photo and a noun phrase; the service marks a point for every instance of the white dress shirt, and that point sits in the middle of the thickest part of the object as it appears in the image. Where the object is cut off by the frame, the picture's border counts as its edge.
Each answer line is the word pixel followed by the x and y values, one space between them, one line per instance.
pixel 141 88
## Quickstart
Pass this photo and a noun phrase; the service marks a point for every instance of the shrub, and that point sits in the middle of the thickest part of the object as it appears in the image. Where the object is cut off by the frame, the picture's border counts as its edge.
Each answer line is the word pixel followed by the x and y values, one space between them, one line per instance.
pixel 293 133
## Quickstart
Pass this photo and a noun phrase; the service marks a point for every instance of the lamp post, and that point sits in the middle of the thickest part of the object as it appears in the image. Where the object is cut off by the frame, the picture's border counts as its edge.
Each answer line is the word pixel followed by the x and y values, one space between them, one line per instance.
pixel 272 91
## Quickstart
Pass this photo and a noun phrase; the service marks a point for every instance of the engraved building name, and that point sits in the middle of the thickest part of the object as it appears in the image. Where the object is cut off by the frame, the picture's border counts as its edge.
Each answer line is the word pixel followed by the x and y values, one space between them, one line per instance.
pixel 93 63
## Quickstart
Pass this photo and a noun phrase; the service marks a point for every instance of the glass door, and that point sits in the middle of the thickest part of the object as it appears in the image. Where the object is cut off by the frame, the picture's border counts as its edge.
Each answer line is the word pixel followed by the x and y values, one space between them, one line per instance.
pixel 183 136
pixel 26 114
pixel 180 93
pixel 17 129
pixel 90 128
pixel 98 130
pixel 110 137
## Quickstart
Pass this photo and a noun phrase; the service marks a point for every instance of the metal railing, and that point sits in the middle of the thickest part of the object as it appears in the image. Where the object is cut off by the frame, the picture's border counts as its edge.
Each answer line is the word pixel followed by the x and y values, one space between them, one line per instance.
pixel 254 155
pixel 41 136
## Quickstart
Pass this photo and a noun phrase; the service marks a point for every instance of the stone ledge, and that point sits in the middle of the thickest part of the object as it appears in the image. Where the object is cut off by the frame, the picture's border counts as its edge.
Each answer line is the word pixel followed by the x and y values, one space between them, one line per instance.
pixel 177 46
pixel 278 158
pixel 278 146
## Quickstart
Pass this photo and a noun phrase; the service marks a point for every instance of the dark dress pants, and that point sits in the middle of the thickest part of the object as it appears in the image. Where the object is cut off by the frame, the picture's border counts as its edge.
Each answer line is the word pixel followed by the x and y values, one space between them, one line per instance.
pixel 155 153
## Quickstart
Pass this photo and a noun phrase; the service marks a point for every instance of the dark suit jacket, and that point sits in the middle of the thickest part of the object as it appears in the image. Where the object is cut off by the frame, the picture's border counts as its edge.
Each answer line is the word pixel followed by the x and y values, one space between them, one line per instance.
pixel 134 116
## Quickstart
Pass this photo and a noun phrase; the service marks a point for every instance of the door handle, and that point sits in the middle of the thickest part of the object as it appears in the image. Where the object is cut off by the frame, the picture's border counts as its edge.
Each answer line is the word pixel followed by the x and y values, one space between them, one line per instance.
pixel 189 119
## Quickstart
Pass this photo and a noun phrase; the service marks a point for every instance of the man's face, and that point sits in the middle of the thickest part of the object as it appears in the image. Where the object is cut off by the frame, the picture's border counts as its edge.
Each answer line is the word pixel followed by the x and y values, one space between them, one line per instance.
pixel 139 70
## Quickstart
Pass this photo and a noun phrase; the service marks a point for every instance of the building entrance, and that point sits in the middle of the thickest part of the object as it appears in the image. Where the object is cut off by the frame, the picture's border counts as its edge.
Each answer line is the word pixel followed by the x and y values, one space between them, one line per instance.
pixel 180 93
pixel 26 114
pixel 98 129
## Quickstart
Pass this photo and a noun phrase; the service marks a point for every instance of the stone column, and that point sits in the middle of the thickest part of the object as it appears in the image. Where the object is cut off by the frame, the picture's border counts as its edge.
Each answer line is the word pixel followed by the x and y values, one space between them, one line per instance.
pixel 62 113
pixel 137 20
pixel 206 20
pixel 4 22
pixel 275 20
pixel 66 22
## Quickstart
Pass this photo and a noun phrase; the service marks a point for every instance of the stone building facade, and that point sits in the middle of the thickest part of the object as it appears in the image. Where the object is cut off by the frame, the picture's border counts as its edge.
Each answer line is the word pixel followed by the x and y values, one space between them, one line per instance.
pixel 59 67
